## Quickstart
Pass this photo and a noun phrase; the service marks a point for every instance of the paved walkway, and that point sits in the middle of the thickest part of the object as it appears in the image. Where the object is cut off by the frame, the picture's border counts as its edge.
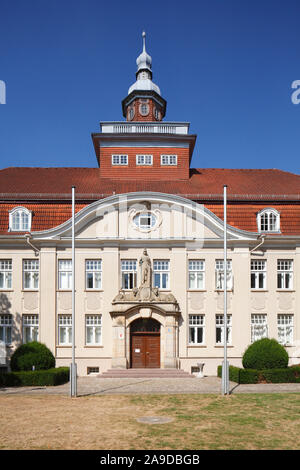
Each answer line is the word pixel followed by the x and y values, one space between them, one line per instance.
pixel 99 386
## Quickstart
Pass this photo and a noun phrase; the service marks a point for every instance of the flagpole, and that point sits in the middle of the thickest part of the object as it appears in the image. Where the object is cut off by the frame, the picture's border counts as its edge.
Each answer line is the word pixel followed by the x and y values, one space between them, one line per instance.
pixel 225 366
pixel 73 367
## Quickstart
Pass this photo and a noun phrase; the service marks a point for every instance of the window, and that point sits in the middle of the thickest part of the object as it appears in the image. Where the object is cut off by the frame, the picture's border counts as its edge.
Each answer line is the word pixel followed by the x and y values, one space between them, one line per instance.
pixel 219 273
pixel 93 329
pixel 128 268
pixel 30 328
pixel 119 159
pixel 20 219
pixel 5 328
pixel 196 274
pixel 144 159
pixel 284 274
pixel 145 220
pixel 93 270
pixel 65 330
pixel 285 324
pixel 31 274
pixel 5 274
pixel 259 327
pixel 258 274
pixel 144 109
pixel 196 329
pixel 170 160
pixel 268 220
pixel 161 274
pixel 65 274
pixel 220 329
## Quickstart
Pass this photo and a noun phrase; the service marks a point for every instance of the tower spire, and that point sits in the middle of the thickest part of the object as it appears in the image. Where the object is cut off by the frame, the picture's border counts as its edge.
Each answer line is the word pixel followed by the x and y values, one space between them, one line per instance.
pixel 144 41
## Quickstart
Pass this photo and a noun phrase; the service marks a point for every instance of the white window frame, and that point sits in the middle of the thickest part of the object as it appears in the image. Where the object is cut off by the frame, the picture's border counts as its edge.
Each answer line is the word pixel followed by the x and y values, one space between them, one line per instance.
pixel 161 274
pixel 168 160
pixel 268 220
pixel 220 329
pixel 144 160
pixel 31 274
pixel 285 274
pixel 5 274
pixel 285 328
pixel 258 274
pixel 259 326
pixel 64 325
pixel 93 273
pixel 196 274
pixel 20 219
pixel 93 328
pixel 64 274
pixel 138 220
pixel 128 274
pixel 30 328
pixel 119 160
pixel 196 329
pixel 6 328
pixel 219 275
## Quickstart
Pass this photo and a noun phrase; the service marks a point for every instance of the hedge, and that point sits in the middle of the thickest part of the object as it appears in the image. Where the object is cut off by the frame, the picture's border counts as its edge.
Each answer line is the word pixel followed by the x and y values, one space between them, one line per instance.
pixel 56 376
pixel 253 376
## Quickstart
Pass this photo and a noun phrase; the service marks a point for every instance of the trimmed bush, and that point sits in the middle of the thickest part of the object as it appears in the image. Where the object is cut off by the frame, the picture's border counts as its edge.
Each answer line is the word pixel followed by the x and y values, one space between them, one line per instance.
pixel 252 376
pixel 49 377
pixel 32 354
pixel 265 354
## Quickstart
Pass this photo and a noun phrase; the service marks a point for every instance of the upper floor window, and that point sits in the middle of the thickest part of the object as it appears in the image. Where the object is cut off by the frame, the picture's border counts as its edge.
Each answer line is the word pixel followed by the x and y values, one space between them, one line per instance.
pixel 161 274
pixel 20 219
pixel 5 274
pixel 268 220
pixel 196 274
pixel 119 159
pixel 144 159
pixel 168 160
pixel 284 274
pixel 219 273
pixel 31 274
pixel 258 274
pixel 129 270
pixel 93 269
pixel 65 274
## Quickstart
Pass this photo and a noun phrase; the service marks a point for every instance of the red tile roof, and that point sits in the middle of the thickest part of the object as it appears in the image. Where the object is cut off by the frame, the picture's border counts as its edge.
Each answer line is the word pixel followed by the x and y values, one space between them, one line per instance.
pixel 47 192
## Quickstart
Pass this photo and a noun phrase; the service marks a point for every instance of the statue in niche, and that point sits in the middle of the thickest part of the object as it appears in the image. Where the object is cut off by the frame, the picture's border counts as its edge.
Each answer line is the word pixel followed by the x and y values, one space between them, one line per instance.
pixel 145 263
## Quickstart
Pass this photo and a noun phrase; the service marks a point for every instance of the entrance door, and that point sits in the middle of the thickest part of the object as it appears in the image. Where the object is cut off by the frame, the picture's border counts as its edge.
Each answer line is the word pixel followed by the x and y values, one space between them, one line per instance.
pixel 145 343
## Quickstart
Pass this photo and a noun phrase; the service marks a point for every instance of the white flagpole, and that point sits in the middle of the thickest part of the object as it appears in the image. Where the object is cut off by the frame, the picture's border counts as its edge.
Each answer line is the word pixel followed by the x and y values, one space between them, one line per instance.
pixel 225 366
pixel 73 368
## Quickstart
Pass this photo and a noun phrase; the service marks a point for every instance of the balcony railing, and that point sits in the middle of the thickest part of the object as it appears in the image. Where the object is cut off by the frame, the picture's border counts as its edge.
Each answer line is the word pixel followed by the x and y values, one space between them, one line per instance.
pixel 145 127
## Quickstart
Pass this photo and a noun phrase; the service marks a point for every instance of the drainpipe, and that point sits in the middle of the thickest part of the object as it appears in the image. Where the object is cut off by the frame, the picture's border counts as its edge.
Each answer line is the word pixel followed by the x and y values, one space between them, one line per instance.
pixel 262 237
pixel 36 250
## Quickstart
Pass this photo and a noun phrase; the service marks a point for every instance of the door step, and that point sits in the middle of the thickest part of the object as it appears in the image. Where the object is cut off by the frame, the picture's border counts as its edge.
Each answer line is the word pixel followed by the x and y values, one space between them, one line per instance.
pixel 146 373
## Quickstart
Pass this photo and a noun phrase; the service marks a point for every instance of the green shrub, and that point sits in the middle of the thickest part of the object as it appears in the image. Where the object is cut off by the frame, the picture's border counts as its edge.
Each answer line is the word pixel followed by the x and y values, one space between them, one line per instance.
pixel 33 378
pixel 32 354
pixel 265 354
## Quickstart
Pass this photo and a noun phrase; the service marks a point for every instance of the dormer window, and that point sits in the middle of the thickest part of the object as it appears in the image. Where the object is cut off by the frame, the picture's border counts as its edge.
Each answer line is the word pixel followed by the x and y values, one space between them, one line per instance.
pixel 20 219
pixel 268 220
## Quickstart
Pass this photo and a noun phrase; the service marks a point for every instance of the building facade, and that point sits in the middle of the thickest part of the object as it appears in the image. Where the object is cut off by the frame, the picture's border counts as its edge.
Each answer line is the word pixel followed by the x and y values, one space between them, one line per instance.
pixel 149 267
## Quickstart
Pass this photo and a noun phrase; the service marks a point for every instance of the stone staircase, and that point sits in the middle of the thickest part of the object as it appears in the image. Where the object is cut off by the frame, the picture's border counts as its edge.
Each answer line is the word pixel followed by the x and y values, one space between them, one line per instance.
pixel 146 373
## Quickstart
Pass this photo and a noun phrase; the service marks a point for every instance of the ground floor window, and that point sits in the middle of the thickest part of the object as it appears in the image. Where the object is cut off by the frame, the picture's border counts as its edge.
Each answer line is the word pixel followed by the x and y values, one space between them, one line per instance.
pixel 196 329
pixel 220 329
pixel 93 329
pixel 30 328
pixel 5 328
pixel 285 324
pixel 259 327
pixel 65 330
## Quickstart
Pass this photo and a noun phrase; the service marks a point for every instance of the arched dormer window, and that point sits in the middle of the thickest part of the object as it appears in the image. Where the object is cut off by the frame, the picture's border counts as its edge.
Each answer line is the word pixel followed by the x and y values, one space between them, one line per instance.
pixel 20 219
pixel 268 220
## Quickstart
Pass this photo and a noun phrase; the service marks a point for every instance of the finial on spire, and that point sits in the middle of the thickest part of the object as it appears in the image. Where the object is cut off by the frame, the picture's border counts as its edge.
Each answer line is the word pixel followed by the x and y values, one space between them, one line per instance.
pixel 144 41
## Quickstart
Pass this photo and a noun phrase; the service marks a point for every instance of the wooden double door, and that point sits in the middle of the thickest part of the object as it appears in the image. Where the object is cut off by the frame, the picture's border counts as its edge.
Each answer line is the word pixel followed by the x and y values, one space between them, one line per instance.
pixel 145 344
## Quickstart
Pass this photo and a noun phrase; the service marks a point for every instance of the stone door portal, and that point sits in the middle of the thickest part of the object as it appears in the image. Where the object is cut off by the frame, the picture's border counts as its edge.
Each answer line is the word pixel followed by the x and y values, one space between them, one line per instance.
pixel 145 343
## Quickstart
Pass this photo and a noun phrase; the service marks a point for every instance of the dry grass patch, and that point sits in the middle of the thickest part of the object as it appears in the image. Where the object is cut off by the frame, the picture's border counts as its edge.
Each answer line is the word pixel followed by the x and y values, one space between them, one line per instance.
pixel 109 422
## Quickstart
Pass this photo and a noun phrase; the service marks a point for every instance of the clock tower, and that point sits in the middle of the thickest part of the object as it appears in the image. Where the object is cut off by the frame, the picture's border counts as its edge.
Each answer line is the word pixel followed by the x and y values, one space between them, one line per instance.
pixel 144 101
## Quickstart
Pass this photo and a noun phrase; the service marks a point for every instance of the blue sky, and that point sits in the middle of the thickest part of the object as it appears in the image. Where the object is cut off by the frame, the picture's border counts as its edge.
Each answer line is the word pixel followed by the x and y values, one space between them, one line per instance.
pixel 225 66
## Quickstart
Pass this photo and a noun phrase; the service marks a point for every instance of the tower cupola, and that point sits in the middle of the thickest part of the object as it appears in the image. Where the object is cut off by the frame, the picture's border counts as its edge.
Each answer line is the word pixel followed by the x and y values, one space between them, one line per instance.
pixel 144 101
